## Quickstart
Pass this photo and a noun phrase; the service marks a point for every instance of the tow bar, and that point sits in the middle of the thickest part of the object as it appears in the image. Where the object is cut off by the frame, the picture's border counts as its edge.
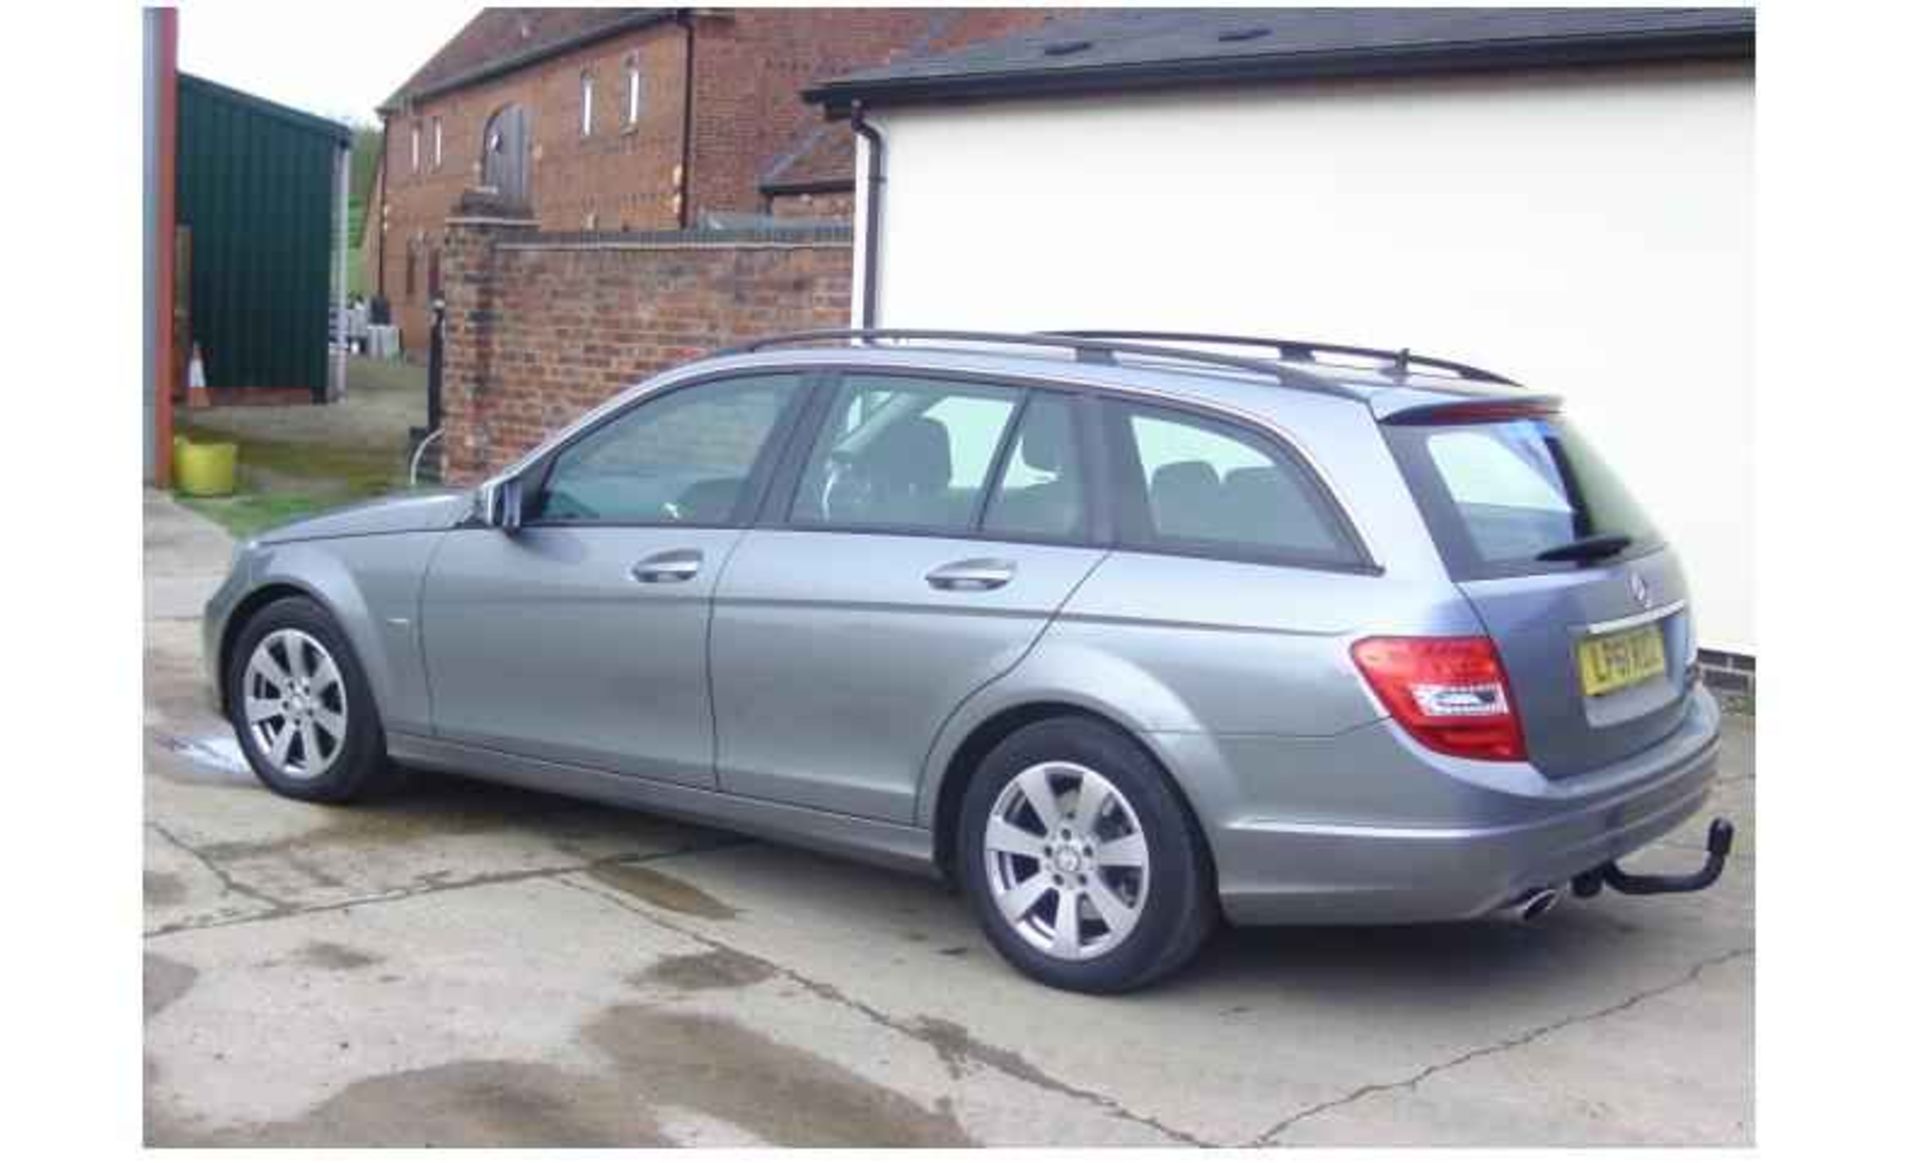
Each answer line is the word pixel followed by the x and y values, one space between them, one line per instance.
pixel 1610 874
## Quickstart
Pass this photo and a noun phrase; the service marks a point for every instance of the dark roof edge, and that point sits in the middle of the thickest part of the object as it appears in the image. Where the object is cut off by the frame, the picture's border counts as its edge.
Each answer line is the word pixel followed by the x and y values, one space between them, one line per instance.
pixel 776 189
pixel 298 118
pixel 1536 52
pixel 643 18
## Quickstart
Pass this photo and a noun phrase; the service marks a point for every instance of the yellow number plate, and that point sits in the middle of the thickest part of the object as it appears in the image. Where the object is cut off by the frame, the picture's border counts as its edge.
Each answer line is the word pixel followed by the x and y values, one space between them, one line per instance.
pixel 1619 660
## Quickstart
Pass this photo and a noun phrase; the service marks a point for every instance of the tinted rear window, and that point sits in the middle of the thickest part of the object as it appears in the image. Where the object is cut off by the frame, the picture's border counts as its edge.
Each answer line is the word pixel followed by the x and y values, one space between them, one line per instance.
pixel 1499 493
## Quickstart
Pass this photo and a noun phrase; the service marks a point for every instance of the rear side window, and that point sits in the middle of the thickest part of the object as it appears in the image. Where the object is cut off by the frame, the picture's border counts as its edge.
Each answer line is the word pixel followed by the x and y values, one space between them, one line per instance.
pixel 1499 493
pixel 903 453
pixel 1192 484
pixel 1041 491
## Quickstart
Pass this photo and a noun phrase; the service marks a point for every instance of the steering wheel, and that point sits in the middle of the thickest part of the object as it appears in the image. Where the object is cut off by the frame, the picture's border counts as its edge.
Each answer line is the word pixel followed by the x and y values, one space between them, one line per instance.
pixel 848 489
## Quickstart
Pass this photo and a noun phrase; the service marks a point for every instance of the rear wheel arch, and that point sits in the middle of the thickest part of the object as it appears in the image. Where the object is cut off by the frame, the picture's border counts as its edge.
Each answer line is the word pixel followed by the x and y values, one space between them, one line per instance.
pixel 965 761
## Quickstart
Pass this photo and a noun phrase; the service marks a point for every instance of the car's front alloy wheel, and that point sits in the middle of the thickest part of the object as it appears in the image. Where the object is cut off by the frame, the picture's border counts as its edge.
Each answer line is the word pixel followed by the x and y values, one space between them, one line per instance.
pixel 295 704
pixel 301 705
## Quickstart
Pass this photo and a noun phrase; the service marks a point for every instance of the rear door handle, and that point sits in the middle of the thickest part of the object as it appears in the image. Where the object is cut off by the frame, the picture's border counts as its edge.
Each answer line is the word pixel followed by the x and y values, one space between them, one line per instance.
pixel 675 565
pixel 976 573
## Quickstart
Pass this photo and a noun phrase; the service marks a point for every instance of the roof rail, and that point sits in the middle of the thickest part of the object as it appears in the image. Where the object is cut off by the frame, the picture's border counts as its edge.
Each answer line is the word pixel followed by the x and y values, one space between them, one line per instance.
pixel 1087 348
pixel 1302 350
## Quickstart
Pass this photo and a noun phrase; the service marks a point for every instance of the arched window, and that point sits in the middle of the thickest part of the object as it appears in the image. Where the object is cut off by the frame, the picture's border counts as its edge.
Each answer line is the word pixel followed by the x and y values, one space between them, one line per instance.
pixel 586 104
pixel 416 147
pixel 503 153
pixel 438 143
pixel 633 90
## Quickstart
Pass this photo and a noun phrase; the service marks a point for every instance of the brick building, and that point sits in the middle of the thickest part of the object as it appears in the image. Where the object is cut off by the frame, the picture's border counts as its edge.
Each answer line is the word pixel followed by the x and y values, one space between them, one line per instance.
pixel 630 119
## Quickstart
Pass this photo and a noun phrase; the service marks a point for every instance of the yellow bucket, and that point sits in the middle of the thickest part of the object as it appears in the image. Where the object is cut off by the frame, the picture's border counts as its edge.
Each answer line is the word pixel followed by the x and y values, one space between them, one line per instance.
pixel 204 470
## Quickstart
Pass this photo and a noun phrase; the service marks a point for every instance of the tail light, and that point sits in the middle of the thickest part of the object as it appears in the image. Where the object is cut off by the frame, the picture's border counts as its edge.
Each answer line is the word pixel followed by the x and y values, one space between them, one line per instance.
pixel 1451 694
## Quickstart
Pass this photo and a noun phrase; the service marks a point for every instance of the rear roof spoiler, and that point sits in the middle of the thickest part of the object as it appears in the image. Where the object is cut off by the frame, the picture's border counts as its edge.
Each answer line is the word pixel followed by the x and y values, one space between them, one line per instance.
pixel 1474 410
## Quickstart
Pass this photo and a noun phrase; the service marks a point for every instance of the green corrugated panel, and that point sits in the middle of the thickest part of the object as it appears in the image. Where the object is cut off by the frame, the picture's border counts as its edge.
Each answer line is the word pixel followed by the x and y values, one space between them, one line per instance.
pixel 255 184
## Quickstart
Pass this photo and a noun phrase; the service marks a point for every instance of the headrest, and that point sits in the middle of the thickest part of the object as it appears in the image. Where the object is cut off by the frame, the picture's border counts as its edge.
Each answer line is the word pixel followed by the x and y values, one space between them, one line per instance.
pixel 1185 478
pixel 1045 436
pixel 914 452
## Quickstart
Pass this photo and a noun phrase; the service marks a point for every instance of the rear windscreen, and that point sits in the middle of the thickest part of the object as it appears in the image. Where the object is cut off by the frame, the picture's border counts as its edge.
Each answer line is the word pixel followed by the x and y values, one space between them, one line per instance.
pixel 1498 494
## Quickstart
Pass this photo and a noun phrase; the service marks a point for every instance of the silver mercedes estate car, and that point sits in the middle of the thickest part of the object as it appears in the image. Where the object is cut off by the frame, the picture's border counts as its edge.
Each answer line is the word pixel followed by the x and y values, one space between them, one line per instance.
pixel 1122 632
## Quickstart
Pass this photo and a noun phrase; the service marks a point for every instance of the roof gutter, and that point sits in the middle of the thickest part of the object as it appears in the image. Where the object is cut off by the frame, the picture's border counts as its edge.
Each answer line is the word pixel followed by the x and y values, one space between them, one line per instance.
pixel 380 182
pixel 686 124
pixel 1666 45
pixel 876 182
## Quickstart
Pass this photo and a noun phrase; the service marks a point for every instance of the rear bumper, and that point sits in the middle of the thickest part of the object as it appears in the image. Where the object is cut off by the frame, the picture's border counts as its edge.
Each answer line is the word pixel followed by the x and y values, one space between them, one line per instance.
pixel 1529 832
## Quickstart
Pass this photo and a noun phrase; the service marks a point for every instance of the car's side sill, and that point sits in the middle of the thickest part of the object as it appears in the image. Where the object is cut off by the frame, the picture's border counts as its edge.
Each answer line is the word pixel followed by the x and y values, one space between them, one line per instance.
pixel 894 845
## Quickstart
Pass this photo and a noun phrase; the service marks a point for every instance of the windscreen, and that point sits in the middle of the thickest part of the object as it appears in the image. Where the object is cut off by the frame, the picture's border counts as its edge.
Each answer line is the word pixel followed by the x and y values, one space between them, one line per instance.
pixel 1518 495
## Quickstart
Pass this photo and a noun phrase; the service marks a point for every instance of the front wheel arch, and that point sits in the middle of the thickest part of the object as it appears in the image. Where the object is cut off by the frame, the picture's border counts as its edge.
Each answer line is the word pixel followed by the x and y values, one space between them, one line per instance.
pixel 243 613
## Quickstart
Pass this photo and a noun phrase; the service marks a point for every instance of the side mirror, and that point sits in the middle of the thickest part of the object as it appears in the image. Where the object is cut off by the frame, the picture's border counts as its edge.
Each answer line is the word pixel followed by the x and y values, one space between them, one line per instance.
pixel 503 506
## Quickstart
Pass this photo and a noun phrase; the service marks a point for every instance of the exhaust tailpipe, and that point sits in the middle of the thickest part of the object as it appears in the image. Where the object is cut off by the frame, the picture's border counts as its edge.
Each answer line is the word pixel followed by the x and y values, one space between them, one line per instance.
pixel 1529 906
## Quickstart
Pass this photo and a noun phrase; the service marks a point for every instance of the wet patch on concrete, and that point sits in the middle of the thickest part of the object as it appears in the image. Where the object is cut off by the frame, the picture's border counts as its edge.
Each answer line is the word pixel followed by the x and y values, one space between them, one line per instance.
pixel 437 808
pixel 718 969
pixel 723 1071
pixel 213 749
pixel 331 955
pixel 164 981
pixel 211 757
pixel 956 1047
pixel 779 1093
pixel 482 1103
pixel 162 888
pixel 668 892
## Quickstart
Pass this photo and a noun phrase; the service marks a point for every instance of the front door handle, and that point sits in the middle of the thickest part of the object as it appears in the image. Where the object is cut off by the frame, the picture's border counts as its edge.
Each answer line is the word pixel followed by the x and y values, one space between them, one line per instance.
pixel 675 565
pixel 975 573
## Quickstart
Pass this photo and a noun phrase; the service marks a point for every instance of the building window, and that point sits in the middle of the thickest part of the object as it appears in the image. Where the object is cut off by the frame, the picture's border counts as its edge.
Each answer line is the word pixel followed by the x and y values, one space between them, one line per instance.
pixel 413 267
pixel 416 147
pixel 438 152
pixel 586 104
pixel 633 92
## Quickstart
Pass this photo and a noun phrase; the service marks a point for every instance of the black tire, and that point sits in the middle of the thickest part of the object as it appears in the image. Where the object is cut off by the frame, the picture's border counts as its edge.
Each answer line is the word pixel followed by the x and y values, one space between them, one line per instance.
pixel 1181 907
pixel 360 768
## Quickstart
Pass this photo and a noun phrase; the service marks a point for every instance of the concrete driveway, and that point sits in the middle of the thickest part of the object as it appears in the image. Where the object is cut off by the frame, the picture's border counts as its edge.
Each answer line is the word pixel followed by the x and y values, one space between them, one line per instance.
pixel 467 965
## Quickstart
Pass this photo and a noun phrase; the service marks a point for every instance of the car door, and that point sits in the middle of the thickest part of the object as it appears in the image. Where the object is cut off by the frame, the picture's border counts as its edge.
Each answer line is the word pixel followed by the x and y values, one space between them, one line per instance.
pixel 933 528
pixel 581 636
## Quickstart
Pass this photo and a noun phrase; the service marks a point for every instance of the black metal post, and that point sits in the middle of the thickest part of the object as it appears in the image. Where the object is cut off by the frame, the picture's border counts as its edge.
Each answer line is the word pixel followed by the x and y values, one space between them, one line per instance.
pixel 436 353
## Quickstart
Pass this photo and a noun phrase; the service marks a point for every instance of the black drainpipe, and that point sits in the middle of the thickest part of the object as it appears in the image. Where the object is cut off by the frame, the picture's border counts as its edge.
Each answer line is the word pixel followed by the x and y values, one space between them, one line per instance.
pixel 686 126
pixel 876 178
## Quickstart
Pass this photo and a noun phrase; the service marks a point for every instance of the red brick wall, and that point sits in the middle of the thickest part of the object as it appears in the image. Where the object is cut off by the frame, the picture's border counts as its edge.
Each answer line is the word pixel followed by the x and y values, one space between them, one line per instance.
pixel 620 176
pixel 831 205
pixel 750 67
pixel 540 329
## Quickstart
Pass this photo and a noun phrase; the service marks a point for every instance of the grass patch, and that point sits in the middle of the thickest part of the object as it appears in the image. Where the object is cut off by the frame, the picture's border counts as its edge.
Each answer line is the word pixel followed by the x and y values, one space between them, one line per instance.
pixel 397 376
pixel 246 514
pixel 283 480
pixel 308 467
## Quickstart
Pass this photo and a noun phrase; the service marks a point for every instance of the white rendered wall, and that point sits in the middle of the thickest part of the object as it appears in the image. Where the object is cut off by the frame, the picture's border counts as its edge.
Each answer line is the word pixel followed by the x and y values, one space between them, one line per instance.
pixel 1588 233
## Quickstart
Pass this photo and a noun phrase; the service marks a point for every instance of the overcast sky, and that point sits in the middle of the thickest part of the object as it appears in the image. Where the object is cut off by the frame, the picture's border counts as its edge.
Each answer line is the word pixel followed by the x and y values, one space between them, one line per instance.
pixel 337 60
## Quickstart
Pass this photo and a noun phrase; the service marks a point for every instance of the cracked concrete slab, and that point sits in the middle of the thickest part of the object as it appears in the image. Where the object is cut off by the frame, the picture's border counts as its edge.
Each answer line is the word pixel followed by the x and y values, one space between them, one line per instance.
pixel 1693 1093
pixel 469 965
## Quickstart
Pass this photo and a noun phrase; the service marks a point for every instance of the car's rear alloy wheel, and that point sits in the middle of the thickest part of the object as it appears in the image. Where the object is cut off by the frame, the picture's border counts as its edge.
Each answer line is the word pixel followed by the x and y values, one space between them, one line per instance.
pixel 295 704
pixel 1066 860
pixel 1082 861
